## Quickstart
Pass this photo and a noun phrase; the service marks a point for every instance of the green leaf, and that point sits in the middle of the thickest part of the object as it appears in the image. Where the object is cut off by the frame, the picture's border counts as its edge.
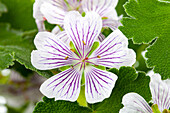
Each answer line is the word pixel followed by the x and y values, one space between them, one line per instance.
pixel 6 59
pixel 20 14
pixel 128 81
pixel 119 8
pixel 155 108
pixel 148 19
pixel 159 57
pixel 51 106
pixel 3 8
pixel 14 47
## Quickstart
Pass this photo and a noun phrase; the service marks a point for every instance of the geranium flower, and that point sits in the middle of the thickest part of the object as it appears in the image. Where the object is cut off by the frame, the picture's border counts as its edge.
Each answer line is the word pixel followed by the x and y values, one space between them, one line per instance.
pixel 82 58
pixel 55 11
pixel 160 90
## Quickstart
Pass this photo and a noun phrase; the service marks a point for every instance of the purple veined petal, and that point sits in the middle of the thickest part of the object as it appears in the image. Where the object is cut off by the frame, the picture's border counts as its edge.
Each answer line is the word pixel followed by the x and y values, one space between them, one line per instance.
pixel 160 91
pixel 75 4
pixel 134 103
pixel 82 31
pixel 54 11
pixel 51 53
pixel 63 86
pixel 63 37
pixel 102 7
pixel 114 52
pixel 98 84
pixel 101 37
pixel 112 24
pixel 56 30
pixel 40 25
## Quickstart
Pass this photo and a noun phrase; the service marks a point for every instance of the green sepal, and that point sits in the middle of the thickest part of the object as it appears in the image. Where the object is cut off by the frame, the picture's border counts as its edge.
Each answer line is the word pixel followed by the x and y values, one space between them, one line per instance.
pixel 155 108
pixel 94 47
pixel 82 98
pixel 64 68
pixel 100 67
pixel 72 48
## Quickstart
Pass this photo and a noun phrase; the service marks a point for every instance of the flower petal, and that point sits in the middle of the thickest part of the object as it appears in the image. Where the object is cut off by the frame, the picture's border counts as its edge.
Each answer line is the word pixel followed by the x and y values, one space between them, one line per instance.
pixel 114 52
pixel 40 25
pixel 134 103
pixel 63 37
pixel 52 53
pixel 102 7
pixel 112 24
pixel 101 37
pixel 63 86
pixel 54 11
pixel 82 30
pixel 98 84
pixel 160 92
pixel 36 10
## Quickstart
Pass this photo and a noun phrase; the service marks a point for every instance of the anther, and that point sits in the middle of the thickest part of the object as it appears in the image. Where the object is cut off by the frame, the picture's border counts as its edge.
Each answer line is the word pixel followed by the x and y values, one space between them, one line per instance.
pixel 72 50
pixel 84 43
pixel 72 67
pixel 66 57
pixel 98 56
pixel 86 58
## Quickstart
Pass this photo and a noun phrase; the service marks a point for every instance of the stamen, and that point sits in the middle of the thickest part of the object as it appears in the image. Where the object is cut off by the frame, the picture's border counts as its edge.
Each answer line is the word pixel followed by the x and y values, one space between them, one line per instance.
pixel 84 43
pixel 98 56
pixel 73 50
pixel 72 67
pixel 86 58
pixel 66 57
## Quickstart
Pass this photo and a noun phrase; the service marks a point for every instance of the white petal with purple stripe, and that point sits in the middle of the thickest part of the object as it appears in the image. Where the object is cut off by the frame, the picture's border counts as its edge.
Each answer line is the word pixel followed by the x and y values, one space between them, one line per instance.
pixel 134 103
pixel 82 31
pixel 102 7
pixel 160 92
pixel 63 86
pixel 51 52
pixel 98 84
pixel 54 11
pixel 114 52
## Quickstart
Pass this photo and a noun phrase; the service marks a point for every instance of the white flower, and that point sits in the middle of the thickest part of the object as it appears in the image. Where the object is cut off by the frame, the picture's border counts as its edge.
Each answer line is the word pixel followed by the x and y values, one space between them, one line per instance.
pixel 52 53
pixel 55 11
pixel 160 90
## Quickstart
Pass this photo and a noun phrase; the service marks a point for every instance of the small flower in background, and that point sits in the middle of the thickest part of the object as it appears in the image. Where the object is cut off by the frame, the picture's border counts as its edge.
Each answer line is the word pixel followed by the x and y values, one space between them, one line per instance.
pixel 55 10
pixel 160 90
pixel 39 18
pixel 82 57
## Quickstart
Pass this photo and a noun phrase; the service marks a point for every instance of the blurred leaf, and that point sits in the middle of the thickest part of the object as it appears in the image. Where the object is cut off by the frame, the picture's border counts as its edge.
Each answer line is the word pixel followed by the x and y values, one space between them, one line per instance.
pixel 3 8
pixel 20 14
pixel 15 47
pixel 51 106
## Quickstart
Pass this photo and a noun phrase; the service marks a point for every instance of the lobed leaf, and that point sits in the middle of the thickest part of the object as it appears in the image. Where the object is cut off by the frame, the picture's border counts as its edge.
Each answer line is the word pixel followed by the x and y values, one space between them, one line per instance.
pixel 13 47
